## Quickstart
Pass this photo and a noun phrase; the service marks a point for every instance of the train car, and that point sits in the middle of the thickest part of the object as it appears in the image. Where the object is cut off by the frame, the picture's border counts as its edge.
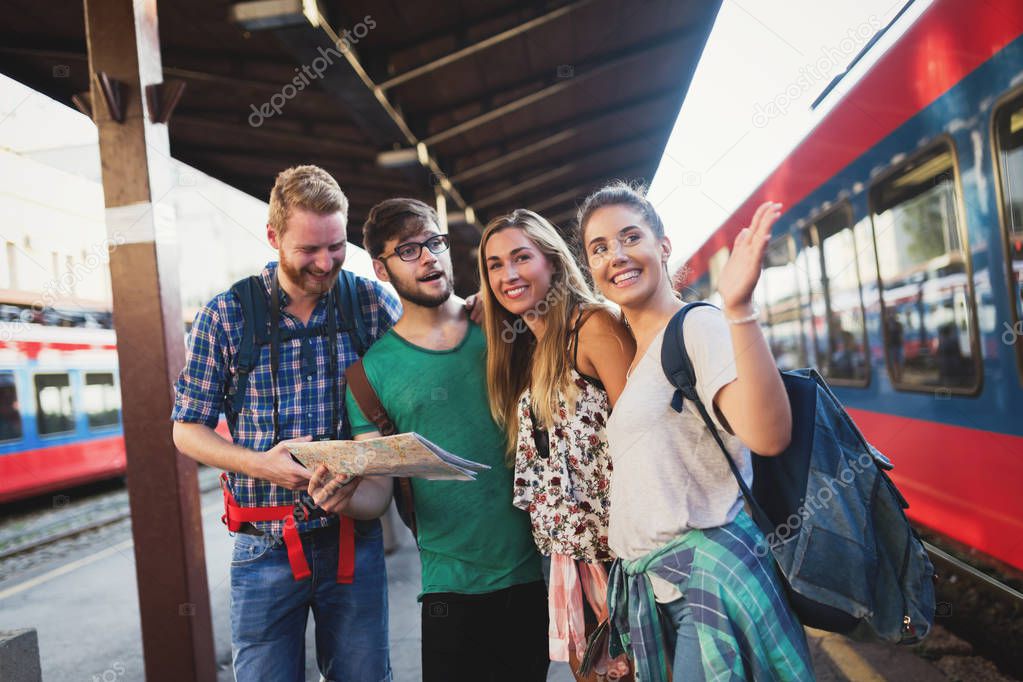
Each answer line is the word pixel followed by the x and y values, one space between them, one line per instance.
pixel 60 408
pixel 897 266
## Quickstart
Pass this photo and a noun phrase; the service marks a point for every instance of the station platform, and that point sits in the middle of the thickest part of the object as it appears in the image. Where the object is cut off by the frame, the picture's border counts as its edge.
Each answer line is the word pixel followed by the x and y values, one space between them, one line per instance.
pixel 80 596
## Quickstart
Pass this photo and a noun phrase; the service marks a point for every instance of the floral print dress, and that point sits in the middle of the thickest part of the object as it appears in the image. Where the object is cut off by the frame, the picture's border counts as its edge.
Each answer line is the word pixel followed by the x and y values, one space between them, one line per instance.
pixel 567 492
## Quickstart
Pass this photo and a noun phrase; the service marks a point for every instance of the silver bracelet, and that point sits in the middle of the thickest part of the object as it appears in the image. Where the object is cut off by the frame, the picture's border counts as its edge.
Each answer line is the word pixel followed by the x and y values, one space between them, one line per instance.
pixel 752 317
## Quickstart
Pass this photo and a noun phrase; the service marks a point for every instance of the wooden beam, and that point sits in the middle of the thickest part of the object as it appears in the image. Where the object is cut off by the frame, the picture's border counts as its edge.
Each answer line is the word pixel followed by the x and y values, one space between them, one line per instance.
pixel 229 132
pixel 513 156
pixel 488 99
pixel 484 44
pixel 552 199
pixel 574 120
pixel 163 491
pixel 506 15
pixel 539 175
pixel 260 180
pixel 584 73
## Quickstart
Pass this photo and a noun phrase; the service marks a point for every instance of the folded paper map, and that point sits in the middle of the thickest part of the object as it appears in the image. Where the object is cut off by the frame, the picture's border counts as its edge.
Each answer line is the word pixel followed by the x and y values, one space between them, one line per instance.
pixel 405 454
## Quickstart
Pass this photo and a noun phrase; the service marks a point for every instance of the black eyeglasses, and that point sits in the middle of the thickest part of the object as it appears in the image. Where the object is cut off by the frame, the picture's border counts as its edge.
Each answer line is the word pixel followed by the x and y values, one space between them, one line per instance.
pixel 410 251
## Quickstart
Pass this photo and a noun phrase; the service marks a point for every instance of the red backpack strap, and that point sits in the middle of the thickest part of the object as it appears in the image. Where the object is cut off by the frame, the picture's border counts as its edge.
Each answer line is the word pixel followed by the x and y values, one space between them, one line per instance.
pixel 235 515
pixel 296 556
pixel 228 499
pixel 346 551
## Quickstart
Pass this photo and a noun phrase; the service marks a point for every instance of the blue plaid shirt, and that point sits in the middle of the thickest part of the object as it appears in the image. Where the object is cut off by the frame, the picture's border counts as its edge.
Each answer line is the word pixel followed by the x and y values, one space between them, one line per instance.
pixel 304 384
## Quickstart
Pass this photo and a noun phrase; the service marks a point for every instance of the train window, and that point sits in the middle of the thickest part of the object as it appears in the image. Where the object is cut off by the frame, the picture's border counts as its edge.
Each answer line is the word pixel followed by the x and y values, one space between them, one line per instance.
pixel 1009 140
pixel 928 325
pixel 101 400
pixel 54 410
pixel 781 298
pixel 10 411
pixel 844 359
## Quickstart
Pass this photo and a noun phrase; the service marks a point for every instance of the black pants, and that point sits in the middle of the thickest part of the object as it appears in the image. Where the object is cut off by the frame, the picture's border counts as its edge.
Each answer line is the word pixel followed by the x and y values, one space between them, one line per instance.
pixel 489 637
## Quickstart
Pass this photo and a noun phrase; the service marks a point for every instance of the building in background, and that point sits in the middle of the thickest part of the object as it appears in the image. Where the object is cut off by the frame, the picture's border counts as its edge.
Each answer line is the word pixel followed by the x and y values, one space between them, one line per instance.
pixel 54 235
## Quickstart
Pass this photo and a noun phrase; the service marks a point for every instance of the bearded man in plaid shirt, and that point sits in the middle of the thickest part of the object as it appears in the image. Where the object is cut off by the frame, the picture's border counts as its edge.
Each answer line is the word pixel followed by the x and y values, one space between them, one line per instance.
pixel 270 595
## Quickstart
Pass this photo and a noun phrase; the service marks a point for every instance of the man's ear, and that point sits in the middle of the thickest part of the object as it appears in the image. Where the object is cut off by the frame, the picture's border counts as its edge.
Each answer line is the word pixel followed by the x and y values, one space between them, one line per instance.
pixel 271 236
pixel 380 271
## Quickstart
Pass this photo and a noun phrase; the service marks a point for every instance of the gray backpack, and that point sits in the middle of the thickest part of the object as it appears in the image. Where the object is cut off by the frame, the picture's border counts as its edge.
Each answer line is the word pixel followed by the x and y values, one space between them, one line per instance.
pixel 831 517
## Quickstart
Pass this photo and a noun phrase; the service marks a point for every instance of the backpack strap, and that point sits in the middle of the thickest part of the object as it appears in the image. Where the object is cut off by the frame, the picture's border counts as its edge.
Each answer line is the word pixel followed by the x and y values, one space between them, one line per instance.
pixel 352 320
pixel 369 402
pixel 254 303
pixel 678 369
pixel 367 399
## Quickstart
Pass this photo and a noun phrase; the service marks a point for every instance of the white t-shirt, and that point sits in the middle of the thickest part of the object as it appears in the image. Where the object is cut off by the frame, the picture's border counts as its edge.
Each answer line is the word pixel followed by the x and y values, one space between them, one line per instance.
pixel 669 473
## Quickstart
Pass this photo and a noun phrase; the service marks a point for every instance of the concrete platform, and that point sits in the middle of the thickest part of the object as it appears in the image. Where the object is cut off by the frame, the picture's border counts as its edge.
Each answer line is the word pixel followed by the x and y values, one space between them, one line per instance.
pixel 81 599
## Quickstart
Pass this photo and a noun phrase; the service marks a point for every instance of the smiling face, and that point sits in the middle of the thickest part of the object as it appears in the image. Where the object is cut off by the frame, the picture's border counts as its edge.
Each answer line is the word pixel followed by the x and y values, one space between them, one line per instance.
pixel 626 258
pixel 519 274
pixel 426 281
pixel 311 251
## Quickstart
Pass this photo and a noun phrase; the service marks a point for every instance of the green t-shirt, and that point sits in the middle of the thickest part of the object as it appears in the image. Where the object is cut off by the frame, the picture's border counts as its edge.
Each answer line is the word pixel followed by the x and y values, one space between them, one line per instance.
pixel 471 539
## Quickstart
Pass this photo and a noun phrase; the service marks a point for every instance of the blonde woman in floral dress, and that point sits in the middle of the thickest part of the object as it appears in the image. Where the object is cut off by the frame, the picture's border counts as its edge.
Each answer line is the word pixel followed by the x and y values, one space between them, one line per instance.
pixel 557 361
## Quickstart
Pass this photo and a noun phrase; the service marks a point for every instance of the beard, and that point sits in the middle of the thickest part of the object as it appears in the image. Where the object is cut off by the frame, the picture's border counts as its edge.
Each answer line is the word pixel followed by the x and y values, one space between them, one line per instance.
pixel 410 291
pixel 304 277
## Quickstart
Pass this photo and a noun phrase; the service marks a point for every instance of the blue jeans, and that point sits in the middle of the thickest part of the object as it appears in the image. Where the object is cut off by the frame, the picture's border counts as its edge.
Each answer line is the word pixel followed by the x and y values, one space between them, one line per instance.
pixel 269 609
pixel 687 644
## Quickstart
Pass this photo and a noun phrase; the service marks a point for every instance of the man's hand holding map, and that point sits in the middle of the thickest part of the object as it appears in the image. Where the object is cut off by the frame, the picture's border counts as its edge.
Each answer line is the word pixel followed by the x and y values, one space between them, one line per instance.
pixel 404 454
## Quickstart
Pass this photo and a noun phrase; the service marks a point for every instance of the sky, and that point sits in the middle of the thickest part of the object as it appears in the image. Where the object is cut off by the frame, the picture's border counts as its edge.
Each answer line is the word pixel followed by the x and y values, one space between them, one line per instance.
pixel 765 62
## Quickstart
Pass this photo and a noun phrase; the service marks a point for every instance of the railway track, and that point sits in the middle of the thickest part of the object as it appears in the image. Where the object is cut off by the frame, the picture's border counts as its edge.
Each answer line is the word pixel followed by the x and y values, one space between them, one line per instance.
pixel 21 537
pixel 983 608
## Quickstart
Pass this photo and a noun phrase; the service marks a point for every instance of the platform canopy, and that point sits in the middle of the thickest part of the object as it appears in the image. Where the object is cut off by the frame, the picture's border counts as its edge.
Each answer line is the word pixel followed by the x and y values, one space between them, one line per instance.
pixel 493 104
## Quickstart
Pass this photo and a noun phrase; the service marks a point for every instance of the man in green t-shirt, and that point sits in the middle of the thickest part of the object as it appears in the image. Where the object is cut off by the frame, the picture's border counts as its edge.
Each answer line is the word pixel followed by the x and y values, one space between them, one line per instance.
pixel 484 603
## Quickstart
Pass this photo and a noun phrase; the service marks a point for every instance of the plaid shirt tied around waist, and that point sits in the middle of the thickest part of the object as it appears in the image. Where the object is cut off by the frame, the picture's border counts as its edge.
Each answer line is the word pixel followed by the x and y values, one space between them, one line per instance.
pixel 305 389
pixel 744 624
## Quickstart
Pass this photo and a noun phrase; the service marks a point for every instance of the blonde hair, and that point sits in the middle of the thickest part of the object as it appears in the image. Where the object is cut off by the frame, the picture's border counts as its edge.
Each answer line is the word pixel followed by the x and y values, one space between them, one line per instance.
pixel 513 362
pixel 305 187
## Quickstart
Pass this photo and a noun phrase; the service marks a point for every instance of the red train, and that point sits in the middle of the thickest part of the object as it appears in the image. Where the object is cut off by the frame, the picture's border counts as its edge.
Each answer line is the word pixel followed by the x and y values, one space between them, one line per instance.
pixel 60 408
pixel 897 267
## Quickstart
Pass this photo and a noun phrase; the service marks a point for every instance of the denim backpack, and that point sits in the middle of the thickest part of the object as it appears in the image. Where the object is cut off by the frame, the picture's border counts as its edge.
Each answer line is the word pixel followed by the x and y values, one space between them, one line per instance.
pixel 832 518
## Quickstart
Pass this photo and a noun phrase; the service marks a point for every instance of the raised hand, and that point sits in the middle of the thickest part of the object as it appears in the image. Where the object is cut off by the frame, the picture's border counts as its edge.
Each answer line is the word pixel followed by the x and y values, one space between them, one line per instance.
pixel 740 274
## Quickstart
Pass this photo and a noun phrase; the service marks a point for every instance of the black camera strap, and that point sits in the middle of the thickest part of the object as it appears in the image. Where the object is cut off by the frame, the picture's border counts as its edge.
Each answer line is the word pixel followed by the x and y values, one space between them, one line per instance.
pixel 275 359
